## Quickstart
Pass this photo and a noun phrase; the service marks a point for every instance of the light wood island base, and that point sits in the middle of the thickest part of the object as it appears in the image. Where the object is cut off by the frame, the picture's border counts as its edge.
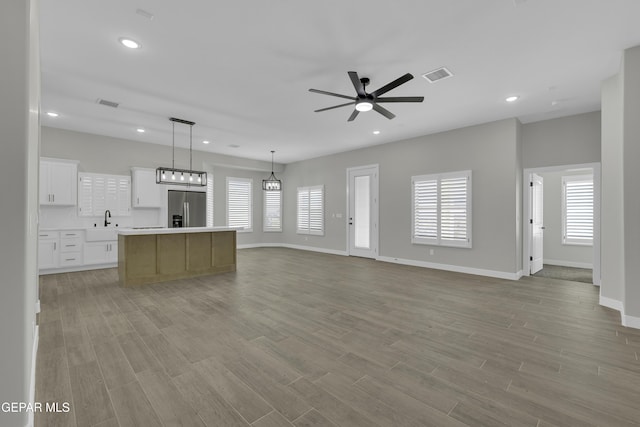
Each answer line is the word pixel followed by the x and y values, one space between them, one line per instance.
pixel 157 256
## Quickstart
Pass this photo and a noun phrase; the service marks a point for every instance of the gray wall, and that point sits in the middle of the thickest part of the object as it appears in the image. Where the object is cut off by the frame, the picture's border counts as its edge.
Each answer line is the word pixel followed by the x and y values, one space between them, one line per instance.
pixel 565 141
pixel 631 171
pixel 489 150
pixel 19 125
pixel 553 249
pixel 612 212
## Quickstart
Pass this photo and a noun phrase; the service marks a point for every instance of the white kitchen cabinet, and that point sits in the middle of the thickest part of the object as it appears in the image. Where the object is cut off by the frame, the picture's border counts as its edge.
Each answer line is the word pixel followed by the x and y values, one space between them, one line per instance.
pixel 58 182
pixel 100 252
pixel 100 192
pixel 146 193
pixel 48 249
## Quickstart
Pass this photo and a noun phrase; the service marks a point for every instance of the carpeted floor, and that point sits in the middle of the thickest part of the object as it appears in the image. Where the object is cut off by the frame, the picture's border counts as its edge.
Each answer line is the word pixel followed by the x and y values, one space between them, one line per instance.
pixel 566 273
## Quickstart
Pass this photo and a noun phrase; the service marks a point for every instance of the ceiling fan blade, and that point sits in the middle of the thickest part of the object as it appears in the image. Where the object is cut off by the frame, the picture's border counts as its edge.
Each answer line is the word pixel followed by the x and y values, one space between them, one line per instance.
pixel 401 99
pixel 357 84
pixel 388 114
pixel 324 92
pixel 331 108
pixel 394 84
pixel 353 115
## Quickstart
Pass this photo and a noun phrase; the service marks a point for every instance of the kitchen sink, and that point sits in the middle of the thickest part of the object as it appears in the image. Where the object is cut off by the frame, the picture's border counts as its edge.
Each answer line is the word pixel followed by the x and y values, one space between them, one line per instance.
pixel 101 234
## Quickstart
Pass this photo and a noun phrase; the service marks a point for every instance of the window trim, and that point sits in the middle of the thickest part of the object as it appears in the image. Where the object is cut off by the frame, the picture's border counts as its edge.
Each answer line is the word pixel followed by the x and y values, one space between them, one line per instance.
pixel 309 230
pixel 574 241
pixel 438 240
pixel 250 204
pixel 266 229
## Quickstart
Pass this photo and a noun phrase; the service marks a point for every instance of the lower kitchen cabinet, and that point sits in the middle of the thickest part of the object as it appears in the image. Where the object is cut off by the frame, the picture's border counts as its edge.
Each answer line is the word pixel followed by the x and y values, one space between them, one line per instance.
pixel 48 249
pixel 100 252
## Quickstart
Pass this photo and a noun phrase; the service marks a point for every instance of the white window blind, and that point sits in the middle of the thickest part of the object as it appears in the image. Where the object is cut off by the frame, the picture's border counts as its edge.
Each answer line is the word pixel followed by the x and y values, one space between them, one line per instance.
pixel 272 211
pixel 442 209
pixel 209 198
pixel 239 205
pixel 311 210
pixel 577 210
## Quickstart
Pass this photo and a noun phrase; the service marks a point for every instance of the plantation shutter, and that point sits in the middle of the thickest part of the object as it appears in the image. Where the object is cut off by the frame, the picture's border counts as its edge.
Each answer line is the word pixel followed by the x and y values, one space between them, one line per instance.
pixel 316 211
pixel 578 210
pixel 239 211
pixel 425 210
pixel 453 209
pixel 311 210
pixel 272 211
pixel 442 209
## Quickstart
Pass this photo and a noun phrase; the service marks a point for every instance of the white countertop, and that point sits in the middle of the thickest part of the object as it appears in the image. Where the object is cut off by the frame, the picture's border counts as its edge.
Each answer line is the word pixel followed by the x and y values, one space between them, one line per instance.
pixel 144 231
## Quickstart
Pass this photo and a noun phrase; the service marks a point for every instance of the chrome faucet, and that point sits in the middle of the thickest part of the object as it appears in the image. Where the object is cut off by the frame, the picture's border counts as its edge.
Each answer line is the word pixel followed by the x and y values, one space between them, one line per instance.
pixel 107 212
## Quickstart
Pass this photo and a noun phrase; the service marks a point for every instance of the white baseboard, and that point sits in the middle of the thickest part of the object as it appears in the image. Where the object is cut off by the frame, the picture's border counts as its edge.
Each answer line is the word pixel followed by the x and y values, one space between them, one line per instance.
pixel 519 274
pixel 611 303
pixel 626 320
pixel 32 380
pixel 286 245
pixel 573 264
pixel 455 268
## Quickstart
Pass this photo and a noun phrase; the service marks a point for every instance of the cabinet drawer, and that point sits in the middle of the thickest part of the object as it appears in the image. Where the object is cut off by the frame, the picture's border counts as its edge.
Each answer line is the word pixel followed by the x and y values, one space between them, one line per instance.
pixel 48 234
pixel 70 259
pixel 70 244
pixel 71 234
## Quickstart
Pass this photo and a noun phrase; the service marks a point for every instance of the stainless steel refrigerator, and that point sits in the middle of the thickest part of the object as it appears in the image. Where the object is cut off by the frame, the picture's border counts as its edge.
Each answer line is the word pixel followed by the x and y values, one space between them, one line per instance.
pixel 187 209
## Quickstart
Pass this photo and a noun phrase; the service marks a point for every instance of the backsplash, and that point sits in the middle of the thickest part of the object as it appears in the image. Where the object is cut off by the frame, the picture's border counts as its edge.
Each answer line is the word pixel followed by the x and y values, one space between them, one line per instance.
pixel 67 217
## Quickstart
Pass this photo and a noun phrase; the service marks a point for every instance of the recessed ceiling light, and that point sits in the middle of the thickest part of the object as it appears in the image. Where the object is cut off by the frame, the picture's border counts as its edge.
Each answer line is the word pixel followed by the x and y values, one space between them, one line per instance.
pixel 52 114
pixel 234 146
pixel 376 132
pixel 206 142
pixel 512 98
pixel 140 130
pixel 131 44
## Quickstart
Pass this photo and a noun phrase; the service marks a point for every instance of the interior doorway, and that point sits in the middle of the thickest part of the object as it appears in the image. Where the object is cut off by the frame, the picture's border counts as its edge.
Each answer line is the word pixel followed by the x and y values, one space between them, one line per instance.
pixel 549 230
pixel 362 211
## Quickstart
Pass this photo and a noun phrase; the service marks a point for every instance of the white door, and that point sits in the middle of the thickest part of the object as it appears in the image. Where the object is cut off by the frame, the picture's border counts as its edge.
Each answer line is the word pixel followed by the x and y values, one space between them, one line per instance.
pixel 362 215
pixel 536 223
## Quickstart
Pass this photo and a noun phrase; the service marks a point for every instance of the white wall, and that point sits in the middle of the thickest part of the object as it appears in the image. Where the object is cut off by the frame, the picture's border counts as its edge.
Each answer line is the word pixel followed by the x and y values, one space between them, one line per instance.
pixel 100 154
pixel 554 251
pixel 19 127
pixel 564 141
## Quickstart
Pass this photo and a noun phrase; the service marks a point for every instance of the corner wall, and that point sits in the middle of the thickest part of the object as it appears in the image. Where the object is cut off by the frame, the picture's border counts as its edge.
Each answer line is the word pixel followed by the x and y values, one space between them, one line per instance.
pixel 19 127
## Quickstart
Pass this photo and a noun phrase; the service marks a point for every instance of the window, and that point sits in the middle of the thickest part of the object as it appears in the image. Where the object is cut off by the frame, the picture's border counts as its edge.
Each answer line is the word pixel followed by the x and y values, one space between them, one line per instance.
pixel 239 212
pixel 272 211
pixel 311 210
pixel 209 198
pixel 442 209
pixel 577 210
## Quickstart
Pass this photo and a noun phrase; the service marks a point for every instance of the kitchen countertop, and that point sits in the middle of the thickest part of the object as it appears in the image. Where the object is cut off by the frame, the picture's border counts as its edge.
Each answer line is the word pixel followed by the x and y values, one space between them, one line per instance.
pixel 145 231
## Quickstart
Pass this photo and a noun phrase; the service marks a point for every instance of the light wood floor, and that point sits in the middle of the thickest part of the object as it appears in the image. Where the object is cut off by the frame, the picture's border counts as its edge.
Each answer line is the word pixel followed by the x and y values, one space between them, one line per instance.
pixel 306 339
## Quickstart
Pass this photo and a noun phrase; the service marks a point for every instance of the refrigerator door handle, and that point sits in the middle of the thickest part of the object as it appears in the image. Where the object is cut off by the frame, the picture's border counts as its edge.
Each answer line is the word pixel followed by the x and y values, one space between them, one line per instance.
pixel 186 214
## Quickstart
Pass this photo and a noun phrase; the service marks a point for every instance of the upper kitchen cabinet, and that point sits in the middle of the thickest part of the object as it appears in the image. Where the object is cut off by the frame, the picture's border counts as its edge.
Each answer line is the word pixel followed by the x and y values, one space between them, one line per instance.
pixel 146 193
pixel 99 192
pixel 58 182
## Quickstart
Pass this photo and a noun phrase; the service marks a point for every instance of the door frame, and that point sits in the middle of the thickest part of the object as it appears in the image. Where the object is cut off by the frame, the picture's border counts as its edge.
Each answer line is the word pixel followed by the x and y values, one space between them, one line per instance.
pixel 532 208
pixel 375 214
pixel 526 209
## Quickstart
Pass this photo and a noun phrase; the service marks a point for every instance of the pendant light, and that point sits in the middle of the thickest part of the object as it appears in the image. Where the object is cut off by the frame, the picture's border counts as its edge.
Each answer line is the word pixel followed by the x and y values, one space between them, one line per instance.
pixel 272 183
pixel 181 176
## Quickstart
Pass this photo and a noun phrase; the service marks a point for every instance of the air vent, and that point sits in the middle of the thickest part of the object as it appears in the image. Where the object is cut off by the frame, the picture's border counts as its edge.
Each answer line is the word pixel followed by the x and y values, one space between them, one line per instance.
pixel 436 75
pixel 108 103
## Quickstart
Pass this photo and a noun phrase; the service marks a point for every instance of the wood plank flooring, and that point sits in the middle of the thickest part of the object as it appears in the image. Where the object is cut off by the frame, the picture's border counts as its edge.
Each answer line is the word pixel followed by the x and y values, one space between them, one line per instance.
pixel 296 338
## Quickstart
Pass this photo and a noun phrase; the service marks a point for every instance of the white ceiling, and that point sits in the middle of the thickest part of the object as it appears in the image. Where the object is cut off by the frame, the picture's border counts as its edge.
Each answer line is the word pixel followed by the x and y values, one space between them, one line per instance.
pixel 242 69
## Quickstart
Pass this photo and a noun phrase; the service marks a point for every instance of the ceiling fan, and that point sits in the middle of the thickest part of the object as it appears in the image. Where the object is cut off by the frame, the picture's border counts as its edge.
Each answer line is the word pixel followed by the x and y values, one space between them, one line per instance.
pixel 364 101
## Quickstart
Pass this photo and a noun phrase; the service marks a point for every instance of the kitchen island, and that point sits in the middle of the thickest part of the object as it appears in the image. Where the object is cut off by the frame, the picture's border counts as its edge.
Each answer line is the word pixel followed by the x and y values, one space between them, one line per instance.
pixel 152 255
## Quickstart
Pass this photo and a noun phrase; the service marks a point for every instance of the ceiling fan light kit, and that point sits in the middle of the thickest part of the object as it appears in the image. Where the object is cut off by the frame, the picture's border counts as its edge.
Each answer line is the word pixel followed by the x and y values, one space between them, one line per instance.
pixel 364 101
pixel 165 175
